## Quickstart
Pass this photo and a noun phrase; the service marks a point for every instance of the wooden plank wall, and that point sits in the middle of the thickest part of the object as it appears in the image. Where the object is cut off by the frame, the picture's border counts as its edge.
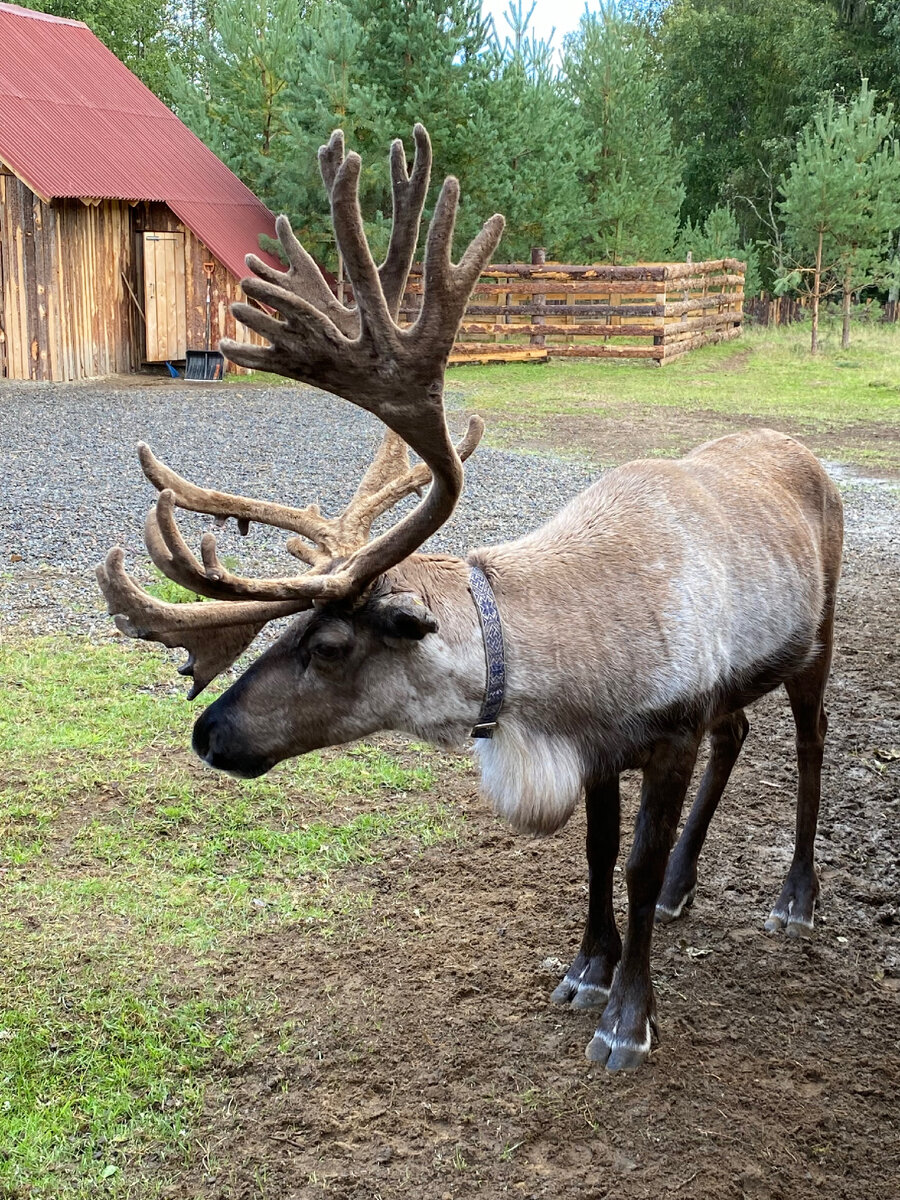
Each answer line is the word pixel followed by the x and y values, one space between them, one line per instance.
pixel 64 308
pixel 65 311
pixel 655 311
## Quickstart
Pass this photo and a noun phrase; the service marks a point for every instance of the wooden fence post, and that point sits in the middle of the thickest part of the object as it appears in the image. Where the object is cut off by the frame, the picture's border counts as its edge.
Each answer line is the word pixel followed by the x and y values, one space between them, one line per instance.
pixel 538 258
pixel 660 300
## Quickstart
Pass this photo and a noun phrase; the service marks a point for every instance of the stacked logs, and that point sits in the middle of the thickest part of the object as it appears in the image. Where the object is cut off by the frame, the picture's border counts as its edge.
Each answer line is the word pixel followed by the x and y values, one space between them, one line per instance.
pixel 655 311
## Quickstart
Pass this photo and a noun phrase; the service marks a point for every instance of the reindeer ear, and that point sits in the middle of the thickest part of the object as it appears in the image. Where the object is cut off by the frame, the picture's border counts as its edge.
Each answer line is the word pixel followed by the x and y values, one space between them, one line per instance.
pixel 403 615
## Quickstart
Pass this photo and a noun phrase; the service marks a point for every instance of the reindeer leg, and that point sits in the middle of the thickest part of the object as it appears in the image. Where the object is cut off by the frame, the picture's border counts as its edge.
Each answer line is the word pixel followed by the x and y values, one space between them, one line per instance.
pixel 623 1037
pixel 588 979
pixel 796 905
pixel 726 736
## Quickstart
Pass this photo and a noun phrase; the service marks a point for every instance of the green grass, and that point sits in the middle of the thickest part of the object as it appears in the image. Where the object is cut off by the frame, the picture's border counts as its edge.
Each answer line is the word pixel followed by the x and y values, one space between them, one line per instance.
pixel 170 592
pixel 167 590
pixel 127 870
pixel 259 379
pixel 765 374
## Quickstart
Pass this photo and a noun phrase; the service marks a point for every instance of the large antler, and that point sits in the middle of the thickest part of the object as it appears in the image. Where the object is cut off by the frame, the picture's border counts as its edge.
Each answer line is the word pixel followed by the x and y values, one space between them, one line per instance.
pixel 360 353
pixel 388 480
pixel 395 373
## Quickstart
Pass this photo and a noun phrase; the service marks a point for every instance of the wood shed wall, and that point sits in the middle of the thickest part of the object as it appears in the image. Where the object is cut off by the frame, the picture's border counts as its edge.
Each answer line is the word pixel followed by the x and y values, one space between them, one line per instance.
pixel 65 310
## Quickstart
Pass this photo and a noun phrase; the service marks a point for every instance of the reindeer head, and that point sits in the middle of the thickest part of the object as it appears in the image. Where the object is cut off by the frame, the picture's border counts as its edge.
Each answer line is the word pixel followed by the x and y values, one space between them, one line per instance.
pixel 315 685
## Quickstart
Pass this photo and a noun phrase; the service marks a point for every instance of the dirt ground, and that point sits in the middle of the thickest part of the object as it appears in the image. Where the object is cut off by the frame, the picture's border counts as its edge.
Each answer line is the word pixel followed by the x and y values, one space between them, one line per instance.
pixel 415 1054
pixel 638 431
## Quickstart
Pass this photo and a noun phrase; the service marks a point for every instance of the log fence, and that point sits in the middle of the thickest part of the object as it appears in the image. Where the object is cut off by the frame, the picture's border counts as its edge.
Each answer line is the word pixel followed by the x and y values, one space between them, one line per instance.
pixel 536 310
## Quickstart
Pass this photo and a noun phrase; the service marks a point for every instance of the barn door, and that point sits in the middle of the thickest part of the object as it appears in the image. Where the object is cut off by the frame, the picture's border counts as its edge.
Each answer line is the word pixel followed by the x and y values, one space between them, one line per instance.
pixel 165 302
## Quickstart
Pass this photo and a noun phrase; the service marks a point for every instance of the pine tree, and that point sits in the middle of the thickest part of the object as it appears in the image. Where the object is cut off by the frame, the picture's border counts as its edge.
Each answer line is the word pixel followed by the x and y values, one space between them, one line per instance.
pixel 421 57
pixel 329 88
pixel 190 30
pixel 374 69
pixel 719 236
pixel 738 80
pixel 841 200
pixel 630 170
pixel 523 163
pixel 237 105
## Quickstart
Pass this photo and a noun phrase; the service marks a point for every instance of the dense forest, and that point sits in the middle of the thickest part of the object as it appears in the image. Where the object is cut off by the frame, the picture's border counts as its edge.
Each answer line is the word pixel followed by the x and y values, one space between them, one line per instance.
pixel 658 128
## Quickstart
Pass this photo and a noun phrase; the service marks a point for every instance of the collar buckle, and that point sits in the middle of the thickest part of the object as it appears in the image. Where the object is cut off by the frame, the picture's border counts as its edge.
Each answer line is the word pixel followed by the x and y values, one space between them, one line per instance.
pixel 485 729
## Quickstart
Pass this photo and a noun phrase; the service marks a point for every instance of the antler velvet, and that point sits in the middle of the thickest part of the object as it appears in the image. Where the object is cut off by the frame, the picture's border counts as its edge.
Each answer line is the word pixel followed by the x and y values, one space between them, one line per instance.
pixel 359 352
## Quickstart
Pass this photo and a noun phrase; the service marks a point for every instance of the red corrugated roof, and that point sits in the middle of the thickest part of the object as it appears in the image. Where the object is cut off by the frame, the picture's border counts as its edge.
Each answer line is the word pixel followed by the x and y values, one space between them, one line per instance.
pixel 74 121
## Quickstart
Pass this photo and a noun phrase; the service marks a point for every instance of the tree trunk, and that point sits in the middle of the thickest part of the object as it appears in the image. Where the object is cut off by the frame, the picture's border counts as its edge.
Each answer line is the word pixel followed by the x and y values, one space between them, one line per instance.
pixel 894 293
pixel 847 297
pixel 817 285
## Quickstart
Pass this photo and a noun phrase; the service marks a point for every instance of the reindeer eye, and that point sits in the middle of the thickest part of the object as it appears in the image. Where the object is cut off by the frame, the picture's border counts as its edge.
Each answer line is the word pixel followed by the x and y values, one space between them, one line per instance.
pixel 328 651
pixel 331 642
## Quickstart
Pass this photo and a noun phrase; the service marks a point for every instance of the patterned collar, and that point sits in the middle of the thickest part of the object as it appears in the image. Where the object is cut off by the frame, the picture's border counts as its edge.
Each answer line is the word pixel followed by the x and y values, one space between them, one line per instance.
pixel 492 632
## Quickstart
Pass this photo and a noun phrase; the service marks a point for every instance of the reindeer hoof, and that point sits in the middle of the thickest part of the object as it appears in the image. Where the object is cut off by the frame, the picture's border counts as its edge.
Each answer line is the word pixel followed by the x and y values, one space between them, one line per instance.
pixel 584 986
pixel 666 912
pixel 579 994
pixel 617 1054
pixel 799 929
pixel 590 995
pixel 795 908
pixel 794 926
pixel 564 991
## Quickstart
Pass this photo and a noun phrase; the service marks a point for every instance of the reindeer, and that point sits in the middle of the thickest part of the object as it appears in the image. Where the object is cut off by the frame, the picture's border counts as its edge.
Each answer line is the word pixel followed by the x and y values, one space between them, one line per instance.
pixel 651 610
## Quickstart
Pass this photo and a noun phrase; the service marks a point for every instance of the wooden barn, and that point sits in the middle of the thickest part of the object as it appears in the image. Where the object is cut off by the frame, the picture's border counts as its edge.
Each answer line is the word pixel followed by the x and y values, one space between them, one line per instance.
pixel 122 237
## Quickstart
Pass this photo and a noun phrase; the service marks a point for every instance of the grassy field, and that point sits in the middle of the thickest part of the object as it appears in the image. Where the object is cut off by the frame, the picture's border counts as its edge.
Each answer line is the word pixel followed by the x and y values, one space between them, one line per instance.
pixel 126 870
pixel 848 402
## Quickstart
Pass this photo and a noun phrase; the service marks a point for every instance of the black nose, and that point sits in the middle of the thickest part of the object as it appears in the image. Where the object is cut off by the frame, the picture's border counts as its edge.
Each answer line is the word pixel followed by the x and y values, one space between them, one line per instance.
pixel 219 744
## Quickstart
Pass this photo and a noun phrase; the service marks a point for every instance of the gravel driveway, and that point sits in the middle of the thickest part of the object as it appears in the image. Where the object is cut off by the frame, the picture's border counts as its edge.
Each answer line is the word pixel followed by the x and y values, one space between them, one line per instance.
pixel 72 487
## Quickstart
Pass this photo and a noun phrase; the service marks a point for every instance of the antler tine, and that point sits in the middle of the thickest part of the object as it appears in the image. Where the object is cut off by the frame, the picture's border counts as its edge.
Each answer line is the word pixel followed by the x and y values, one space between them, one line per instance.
pixel 306 521
pixel 388 481
pixel 213 634
pixel 447 287
pixel 174 558
pixel 349 233
pixel 409 193
pixel 304 279
pixel 408 198
pixel 391 460
pixel 370 507
pixel 331 155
